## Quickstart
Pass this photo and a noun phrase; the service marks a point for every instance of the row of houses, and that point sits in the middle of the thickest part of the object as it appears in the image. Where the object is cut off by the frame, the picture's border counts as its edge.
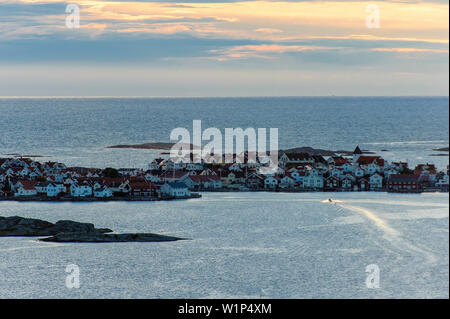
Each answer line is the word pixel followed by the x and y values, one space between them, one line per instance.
pixel 135 188
pixel 301 171
pixel 21 177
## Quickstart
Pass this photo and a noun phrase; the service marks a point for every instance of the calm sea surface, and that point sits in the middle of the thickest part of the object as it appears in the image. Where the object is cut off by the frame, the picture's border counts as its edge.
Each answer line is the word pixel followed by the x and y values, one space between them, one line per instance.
pixel 257 245
pixel 244 245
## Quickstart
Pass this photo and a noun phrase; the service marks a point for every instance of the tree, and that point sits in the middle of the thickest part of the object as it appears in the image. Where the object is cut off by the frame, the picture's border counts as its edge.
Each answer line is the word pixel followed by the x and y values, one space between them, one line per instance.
pixel 111 172
pixel 406 170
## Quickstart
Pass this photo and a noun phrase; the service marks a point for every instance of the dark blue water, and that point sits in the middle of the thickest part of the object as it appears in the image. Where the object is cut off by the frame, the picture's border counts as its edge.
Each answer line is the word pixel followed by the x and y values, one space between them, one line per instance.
pixel 407 127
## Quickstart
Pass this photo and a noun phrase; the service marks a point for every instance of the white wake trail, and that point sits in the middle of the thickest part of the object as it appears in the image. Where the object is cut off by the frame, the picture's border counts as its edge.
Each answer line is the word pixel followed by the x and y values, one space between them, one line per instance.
pixel 390 234
pixel 36 245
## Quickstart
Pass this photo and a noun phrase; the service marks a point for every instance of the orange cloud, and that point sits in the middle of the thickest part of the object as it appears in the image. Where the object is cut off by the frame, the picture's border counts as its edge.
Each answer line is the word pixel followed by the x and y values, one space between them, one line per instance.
pixel 162 29
pixel 263 51
pixel 409 50
pixel 268 30
pixel 400 21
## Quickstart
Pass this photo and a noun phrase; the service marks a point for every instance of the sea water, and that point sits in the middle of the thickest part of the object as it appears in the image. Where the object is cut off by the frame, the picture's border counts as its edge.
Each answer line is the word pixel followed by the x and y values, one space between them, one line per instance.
pixel 249 245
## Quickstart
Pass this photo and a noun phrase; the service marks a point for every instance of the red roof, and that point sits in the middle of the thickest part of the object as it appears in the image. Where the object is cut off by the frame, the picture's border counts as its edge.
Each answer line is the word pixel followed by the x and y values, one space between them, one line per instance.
pixel 141 185
pixel 340 161
pixel 366 160
pixel 28 185
pixel 425 167
pixel 200 178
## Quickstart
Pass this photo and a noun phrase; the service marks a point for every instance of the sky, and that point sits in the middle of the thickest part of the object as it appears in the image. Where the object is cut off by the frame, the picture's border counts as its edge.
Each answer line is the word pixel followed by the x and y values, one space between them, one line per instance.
pixel 224 48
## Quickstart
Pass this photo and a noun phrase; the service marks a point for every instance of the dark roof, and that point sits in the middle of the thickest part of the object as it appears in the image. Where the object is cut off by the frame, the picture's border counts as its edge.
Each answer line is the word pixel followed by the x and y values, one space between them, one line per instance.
pixel 174 174
pixel 319 159
pixel 298 156
pixel 42 184
pixel 357 150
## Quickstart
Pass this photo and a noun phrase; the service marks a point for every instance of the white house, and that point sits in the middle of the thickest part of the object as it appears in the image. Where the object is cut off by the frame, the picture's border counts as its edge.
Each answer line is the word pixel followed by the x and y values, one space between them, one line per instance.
pixel 175 189
pixel 83 190
pixel 287 182
pixel 359 172
pixel 444 181
pixel 347 167
pixel 26 190
pixel 235 168
pixel 35 173
pixel 194 166
pixel 376 181
pixel 347 183
pixel 208 171
pixel 338 172
pixel 373 168
pixel 103 192
pixel 295 158
pixel 55 189
pixel 152 178
pixel 41 187
pixel 299 177
pixel 171 165
pixel 215 182
pixel 234 177
pixel 390 171
pixel 174 176
pixel 313 181
pixel 271 182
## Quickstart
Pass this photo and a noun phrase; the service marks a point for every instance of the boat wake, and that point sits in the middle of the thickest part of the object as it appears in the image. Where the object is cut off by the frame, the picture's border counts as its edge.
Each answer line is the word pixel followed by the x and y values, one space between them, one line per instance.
pixel 390 234
pixel 36 245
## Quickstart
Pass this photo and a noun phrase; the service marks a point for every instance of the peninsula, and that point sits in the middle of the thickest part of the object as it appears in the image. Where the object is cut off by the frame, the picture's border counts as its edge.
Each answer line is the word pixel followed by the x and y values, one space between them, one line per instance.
pixel 24 179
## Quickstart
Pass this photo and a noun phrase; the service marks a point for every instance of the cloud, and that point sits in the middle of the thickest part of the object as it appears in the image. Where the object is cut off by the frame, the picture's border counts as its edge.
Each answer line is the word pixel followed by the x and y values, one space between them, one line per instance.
pixel 317 36
pixel 262 51
pixel 268 30
pixel 410 50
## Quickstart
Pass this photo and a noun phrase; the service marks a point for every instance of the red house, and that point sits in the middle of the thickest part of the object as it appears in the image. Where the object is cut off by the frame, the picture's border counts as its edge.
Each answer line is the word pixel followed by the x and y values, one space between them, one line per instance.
pixel 142 189
pixel 403 183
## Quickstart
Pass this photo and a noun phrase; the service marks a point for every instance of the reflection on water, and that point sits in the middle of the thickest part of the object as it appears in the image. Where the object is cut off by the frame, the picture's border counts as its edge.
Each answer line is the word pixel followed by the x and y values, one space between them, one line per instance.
pixel 249 245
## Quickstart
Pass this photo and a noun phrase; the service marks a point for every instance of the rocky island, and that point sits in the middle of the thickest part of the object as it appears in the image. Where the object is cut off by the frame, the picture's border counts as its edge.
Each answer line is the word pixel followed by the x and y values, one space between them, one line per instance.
pixel 166 146
pixel 149 146
pixel 442 149
pixel 108 238
pixel 70 231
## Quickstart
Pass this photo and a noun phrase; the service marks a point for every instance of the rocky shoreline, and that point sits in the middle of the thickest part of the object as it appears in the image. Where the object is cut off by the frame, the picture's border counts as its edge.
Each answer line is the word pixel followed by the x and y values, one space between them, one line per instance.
pixel 108 238
pixel 149 146
pixel 70 232
pixel 442 149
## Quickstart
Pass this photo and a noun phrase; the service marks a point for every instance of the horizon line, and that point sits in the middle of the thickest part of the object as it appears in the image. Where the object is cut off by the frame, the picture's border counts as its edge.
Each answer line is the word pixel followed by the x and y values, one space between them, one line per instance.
pixel 217 97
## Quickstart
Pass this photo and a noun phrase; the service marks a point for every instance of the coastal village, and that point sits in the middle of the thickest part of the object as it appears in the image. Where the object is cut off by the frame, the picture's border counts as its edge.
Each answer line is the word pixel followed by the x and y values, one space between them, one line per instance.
pixel 26 179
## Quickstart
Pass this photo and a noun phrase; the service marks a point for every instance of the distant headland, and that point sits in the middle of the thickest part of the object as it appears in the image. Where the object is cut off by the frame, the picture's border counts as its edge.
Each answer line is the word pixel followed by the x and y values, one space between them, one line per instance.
pixel 166 146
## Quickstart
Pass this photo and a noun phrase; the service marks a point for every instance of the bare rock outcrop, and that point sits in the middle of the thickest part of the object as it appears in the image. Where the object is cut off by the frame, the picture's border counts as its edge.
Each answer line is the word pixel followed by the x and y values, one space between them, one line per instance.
pixel 20 226
pixel 108 238
pixel 67 231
